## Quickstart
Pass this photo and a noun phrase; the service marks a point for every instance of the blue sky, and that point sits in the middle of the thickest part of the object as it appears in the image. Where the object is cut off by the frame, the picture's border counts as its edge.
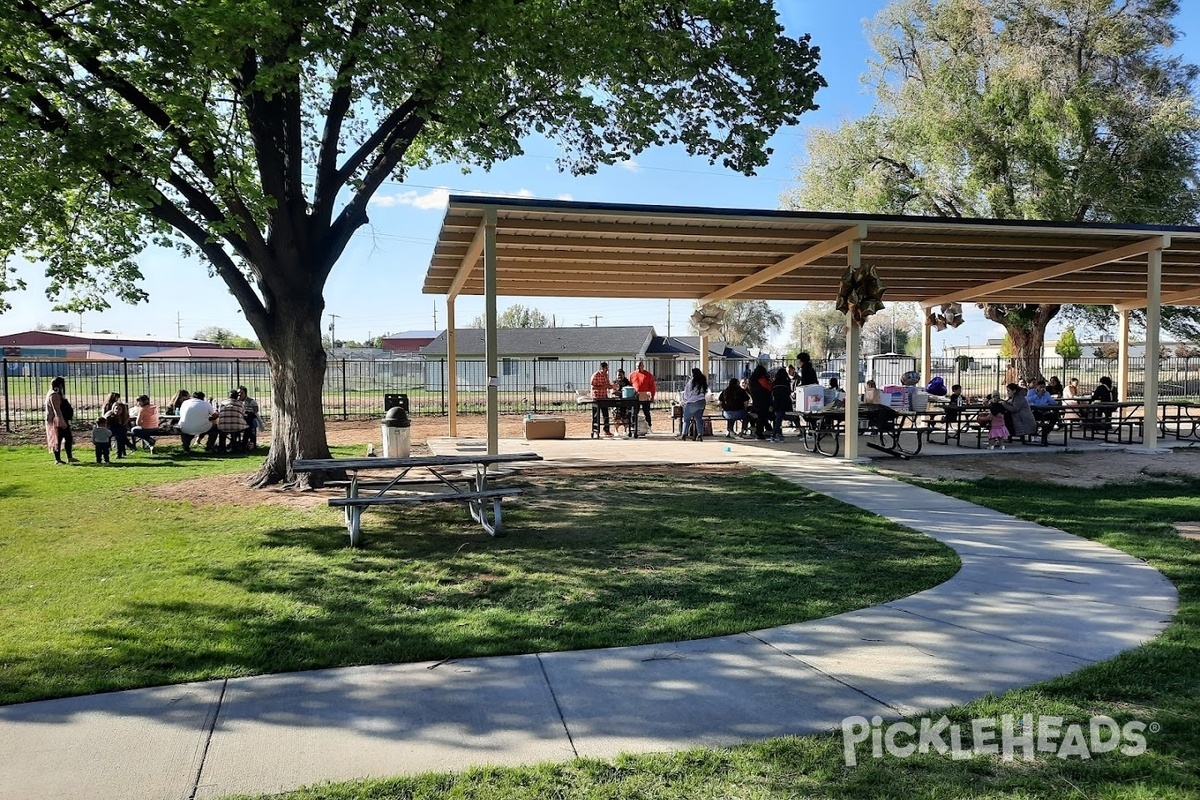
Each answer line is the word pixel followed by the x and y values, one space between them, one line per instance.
pixel 375 288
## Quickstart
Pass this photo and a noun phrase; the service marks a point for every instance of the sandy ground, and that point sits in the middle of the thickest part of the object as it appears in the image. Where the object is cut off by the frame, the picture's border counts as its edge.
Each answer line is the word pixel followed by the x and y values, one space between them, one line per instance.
pixel 1077 469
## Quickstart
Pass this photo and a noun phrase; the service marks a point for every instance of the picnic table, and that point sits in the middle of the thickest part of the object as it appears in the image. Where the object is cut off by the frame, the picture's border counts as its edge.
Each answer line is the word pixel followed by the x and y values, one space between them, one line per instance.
pixel 824 427
pixel 631 406
pixel 458 478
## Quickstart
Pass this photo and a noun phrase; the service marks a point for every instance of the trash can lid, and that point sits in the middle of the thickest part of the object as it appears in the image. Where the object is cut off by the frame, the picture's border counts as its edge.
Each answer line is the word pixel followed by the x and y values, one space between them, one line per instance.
pixel 396 417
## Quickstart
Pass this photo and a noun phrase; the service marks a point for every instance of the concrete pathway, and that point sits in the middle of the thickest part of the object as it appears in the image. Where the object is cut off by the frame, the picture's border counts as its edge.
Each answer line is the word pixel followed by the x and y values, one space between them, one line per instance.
pixel 1029 603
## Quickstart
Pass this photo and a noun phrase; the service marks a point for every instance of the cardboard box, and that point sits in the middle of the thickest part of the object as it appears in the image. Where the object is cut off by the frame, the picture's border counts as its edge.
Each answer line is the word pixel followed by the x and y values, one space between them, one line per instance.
pixel 545 428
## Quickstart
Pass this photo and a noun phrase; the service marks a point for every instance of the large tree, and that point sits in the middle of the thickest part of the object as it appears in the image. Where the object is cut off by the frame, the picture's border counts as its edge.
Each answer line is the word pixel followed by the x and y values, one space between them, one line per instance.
pixel 253 134
pixel 747 323
pixel 1066 110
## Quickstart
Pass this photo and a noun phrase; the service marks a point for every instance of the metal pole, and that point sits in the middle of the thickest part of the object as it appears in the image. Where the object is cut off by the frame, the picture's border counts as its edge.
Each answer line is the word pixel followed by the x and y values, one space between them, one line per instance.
pixel 345 409
pixel 7 418
pixel 535 385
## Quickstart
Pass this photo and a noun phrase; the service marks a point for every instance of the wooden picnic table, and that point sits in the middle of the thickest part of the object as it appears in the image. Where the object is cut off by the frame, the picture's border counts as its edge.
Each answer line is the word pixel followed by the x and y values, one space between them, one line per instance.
pixel 824 427
pixel 458 478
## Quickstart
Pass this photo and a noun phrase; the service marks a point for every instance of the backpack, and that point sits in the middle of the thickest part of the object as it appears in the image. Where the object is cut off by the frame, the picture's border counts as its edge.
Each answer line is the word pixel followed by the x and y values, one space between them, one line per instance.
pixel 64 406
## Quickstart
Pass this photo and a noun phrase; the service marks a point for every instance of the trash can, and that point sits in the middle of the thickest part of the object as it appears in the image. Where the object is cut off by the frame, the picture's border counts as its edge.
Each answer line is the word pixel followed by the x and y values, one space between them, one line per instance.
pixel 391 401
pixel 396 434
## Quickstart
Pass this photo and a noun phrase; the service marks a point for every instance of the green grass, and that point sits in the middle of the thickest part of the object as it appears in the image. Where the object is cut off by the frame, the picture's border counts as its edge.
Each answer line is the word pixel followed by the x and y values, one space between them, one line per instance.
pixel 1156 683
pixel 105 587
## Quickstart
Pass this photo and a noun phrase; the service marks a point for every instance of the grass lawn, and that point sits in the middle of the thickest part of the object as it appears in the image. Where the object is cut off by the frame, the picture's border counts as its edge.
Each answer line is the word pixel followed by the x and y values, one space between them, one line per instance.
pixel 1157 683
pixel 105 587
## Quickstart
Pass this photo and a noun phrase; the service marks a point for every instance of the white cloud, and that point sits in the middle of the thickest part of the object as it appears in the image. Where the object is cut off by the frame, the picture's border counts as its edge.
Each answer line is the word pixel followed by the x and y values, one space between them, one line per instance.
pixel 630 165
pixel 427 201
pixel 565 197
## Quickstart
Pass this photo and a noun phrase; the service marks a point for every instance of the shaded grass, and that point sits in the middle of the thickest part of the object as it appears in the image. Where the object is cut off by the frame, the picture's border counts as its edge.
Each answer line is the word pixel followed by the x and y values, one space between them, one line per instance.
pixel 1156 683
pixel 105 588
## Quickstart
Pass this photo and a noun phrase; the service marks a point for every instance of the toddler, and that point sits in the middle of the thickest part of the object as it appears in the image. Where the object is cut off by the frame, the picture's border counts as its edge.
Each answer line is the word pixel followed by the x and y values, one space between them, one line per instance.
pixel 102 440
pixel 998 431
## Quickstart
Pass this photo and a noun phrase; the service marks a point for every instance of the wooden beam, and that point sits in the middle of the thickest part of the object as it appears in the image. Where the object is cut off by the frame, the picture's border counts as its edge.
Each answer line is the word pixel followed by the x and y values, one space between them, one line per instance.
pixel 1120 253
pixel 467 265
pixel 830 245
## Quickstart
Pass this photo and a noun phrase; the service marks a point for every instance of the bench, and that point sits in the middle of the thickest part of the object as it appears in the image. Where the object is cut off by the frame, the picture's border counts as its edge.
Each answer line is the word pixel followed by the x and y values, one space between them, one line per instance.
pixel 821 431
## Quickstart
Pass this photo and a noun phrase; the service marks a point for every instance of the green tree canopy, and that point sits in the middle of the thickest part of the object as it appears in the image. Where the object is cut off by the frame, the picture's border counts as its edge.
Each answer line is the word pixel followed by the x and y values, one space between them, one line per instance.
pixel 254 134
pixel 515 316
pixel 1068 345
pixel 1067 110
pixel 818 329
pixel 225 338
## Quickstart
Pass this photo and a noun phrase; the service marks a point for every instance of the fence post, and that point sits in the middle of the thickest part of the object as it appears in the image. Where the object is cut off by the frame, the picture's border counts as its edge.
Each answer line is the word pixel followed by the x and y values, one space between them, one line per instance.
pixel 125 379
pixel 442 370
pixel 535 385
pixel 345 409
pixel 7 418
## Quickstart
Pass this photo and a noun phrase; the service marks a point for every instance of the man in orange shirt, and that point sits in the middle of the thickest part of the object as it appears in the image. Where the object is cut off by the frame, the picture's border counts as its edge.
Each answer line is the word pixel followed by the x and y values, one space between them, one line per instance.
pixel 643 381
pixel 600 388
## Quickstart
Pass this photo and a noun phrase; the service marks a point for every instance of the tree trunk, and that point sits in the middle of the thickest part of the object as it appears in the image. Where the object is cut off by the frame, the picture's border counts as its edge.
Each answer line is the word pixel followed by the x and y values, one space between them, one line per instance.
pixel 297 363
pixel 1026 328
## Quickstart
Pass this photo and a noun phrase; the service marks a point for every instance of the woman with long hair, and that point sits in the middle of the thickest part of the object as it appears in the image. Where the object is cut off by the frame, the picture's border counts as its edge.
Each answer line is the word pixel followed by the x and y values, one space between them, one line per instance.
pixel 117 414
pixel 58 422
pixel 781 402
pixel 760 400
pixel 693 397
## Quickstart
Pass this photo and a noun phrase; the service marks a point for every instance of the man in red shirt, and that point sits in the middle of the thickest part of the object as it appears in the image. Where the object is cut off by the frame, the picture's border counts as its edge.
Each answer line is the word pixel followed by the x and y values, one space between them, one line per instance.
pixel 643 381
pixel 600 388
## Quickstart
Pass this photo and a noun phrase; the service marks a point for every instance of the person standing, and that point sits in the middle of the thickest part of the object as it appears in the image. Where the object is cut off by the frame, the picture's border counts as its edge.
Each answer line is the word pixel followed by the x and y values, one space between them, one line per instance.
pixel 760 400
pixel 195 419
pixel 781 402
pixel 643 380
pixel 808 373
pixel 59 414
pixel 693 397
pixel 601 386
pixel 102 438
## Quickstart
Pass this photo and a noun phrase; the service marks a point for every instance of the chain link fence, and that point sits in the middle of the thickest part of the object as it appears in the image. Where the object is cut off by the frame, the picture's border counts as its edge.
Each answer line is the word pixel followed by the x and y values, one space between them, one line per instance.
pixel 355 389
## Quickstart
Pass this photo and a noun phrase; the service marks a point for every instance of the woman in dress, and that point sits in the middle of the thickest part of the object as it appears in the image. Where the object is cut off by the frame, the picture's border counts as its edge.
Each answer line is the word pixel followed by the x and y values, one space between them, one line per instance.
pixel 58 422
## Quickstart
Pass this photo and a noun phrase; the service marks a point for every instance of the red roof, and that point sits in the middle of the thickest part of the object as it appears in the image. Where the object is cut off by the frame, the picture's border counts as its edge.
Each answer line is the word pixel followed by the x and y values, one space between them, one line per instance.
pixel 228 353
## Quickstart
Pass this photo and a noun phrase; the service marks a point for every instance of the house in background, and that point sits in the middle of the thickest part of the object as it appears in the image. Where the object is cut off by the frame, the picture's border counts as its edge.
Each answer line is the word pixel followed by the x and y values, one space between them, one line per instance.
pixel 563 359
pixel 407 341
pixel 74 346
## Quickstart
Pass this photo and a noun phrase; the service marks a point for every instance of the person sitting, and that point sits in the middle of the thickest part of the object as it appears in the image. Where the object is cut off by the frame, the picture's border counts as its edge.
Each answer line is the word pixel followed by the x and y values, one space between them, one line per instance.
pixel 732 401
pixel 871 395
pixel 145 424
pixel 253 422
pixel 181 397
pixel 760 400
pixel 1018 416
pixel 231 424
pixel 196 417
pixel 1054 387
pixel 954 403
pixel 833 392
pixel 1103 393
pixel 1045 409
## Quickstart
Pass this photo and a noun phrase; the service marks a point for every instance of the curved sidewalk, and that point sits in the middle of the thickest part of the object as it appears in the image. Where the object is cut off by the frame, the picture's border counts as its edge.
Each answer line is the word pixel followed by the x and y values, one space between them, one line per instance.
pixel 1029 603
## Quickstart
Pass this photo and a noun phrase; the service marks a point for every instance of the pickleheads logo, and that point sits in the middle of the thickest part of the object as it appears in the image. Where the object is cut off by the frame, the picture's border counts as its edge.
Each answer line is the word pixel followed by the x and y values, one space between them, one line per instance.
pixel 1005 737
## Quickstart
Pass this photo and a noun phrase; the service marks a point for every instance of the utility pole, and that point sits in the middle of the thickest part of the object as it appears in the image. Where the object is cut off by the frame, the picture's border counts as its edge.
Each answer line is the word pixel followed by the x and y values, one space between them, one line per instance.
pixel 333 318
pixel 595 320
pixel 668 318
pixel 435 315
pixel 178 325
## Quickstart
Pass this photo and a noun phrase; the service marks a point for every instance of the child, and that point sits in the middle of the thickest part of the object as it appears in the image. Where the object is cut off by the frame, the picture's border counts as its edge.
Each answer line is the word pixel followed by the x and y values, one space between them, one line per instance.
pixel 102 439
pixel 998 431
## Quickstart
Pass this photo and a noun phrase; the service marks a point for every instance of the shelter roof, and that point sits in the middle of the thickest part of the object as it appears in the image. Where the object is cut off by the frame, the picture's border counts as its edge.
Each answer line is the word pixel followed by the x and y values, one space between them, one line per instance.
pixel 573 249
